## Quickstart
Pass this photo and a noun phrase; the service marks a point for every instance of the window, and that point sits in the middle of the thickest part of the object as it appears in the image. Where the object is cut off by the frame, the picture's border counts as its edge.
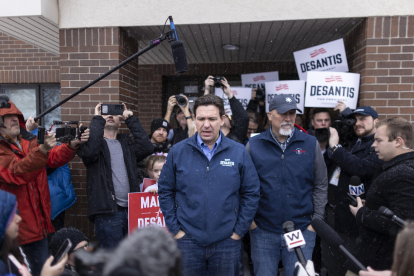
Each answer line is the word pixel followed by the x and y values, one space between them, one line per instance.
pixel 33 99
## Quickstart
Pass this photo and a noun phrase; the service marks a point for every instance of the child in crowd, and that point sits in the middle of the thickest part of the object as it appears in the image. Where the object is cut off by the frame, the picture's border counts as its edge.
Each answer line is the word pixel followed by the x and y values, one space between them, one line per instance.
pixel 148 169
pixel 157 165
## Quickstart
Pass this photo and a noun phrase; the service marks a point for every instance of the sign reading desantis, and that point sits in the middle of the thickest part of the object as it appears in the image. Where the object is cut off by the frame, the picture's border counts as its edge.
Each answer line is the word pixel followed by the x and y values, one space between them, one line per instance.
pixel 243 95
pixel 325 89
pixel 325 57
pixel 143 211
pixel 294 88
pixel 257 80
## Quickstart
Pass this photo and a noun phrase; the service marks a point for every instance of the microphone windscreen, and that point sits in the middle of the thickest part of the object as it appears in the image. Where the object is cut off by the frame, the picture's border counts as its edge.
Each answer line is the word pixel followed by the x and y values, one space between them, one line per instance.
pixel 384 211
pixel 355 181
pixel 179 56
pixel 326 233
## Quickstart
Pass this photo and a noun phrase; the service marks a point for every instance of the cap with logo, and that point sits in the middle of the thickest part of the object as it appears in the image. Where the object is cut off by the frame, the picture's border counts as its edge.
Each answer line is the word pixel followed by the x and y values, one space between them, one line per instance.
pixel 283 103
pixel 157 123
pixel 365 110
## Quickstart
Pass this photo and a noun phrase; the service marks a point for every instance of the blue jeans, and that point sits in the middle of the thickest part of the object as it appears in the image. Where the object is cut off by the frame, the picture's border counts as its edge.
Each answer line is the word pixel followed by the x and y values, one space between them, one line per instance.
pixel 112 228
pixel 36 253
pixel 267 247
pixel 220 258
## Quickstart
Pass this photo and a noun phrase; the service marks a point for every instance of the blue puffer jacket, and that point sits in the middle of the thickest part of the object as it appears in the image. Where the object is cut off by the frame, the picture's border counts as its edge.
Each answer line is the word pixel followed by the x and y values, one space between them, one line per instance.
pixel 62 193
pixel 208 200
pixel 286 180
pixel 7 204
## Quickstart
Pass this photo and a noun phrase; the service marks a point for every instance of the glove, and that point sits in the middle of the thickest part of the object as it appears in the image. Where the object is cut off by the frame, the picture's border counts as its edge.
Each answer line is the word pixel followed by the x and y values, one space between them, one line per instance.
pixel 301 271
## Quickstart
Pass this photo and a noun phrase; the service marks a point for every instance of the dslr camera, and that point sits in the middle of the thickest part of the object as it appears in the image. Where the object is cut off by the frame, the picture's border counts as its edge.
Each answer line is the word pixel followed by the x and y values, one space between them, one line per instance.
pixel 217 81
pixel 181 101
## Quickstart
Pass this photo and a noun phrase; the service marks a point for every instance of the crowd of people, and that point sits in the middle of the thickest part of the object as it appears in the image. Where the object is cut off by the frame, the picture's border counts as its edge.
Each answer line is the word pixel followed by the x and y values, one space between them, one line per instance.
pixel 226 185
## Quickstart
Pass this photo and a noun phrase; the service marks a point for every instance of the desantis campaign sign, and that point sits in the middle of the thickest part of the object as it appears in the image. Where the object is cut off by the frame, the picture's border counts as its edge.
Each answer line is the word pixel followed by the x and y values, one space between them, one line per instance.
pixel 325 89
pixel 294 88
pixel 325 57
pixel 258 79
pixel 143 211
pixel 243 95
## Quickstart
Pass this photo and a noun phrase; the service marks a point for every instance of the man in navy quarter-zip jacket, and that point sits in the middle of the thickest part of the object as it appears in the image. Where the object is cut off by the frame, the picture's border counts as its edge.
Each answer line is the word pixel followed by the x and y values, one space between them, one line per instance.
pixel 209 194
pixel 293 187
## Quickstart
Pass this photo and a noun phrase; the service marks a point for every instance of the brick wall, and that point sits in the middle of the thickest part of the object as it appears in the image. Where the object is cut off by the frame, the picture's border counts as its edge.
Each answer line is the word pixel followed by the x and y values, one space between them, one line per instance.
pixel 381 49
pixel 150 81
pixel 24 63
pixel 85 54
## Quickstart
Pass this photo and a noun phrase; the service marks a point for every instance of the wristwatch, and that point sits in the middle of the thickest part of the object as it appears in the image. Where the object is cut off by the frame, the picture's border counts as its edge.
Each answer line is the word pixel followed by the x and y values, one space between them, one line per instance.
pixel 189 117
pixel 336 146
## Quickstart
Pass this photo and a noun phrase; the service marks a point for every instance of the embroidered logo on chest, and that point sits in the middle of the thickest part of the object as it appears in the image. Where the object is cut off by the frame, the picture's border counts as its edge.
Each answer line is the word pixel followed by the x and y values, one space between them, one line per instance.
pixel 299 151
pixel 227 163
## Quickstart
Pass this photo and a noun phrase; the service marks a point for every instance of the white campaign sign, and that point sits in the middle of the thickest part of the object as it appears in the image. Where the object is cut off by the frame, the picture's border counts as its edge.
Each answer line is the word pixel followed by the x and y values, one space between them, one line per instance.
pixel 294 88
pixel 329 56
pixel 325 89
pixel 258 79
pixel 244 95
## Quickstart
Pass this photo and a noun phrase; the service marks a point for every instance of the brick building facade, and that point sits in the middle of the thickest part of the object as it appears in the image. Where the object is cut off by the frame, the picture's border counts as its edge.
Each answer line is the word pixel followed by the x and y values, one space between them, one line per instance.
pixel 381 49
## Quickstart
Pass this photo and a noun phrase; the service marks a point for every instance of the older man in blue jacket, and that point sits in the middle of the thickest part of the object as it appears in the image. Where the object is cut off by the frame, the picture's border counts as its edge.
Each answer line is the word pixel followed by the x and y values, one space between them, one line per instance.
pixel 209 194
pixel 293 187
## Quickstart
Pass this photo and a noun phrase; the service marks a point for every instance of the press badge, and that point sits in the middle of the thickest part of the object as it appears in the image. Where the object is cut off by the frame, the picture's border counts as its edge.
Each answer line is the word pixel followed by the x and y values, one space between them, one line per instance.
pixel 335 177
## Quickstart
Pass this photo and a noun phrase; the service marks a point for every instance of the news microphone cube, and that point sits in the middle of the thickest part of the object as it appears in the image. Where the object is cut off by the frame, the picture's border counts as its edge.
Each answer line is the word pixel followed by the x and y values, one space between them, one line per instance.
pixel 294 239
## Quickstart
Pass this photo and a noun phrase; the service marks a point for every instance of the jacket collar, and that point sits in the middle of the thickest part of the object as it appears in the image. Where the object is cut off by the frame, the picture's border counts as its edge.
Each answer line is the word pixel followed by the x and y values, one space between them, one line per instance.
pixel 367 138
pixel 297 136
pixel 24 134
pixel 192 141
pixel 397 159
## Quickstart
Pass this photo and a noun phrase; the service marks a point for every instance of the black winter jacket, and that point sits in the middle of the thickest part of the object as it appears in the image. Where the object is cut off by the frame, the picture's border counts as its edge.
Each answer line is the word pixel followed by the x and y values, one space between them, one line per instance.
pixel 96 157
pixel 360 161
pixel 394 189
pixel 241 121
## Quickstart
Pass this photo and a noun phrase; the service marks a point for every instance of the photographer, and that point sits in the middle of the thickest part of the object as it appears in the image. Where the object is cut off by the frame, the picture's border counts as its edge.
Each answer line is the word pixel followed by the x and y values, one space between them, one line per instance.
pixel 257 105
pixel 358 159
pixel 111 160
pixel 238 131
pixel 183 118
pixel 23 173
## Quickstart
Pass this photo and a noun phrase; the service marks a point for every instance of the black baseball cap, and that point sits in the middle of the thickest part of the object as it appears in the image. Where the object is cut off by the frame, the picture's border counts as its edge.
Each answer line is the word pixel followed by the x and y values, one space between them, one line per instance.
pixel 283 103
pixel 366 111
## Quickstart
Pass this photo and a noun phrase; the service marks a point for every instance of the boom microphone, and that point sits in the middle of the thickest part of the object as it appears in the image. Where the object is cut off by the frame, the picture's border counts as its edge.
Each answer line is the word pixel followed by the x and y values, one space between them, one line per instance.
pixel 333 239
pixel 289 227
pixel 387 213
pixel 178 51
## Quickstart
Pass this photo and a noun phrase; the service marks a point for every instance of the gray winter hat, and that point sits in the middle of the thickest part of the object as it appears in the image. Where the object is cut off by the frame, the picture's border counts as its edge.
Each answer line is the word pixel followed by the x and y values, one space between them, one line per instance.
pixel 283 103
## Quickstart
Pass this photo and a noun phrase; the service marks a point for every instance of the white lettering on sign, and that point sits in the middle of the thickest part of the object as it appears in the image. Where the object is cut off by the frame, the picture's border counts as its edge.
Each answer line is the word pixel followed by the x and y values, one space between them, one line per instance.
pixel 294 239
pixel 145 222
pixel 227 163
pixel 146 203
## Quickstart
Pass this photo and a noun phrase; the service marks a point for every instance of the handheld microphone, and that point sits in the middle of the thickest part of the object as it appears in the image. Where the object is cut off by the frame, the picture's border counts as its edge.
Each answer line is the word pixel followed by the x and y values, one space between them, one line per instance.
pixel 333 239
pixel 355 181
pixel 178 51
pixel 387 213
pixel 294 240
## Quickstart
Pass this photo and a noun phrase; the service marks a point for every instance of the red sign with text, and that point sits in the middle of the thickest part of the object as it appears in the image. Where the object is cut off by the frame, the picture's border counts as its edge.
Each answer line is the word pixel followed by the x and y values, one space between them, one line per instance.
pixel 143 211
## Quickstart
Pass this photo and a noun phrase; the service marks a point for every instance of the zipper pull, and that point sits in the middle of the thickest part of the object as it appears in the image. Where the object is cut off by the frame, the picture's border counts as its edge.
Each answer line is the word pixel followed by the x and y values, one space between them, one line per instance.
pixel 208 169
pixel 283 156
pixel 113 198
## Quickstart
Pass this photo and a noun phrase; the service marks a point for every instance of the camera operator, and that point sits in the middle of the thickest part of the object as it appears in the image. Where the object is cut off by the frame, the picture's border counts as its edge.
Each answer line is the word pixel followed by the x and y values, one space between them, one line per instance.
pixel 356 160
pixel 257 105
pixel 23 173
pixel 183 118
pixel 238 131
pixel 393 188
pixel 111 160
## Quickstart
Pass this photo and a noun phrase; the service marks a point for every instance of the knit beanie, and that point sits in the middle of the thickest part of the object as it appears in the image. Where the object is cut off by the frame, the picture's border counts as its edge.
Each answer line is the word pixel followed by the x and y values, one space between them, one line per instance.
pixel 73 234
pixel 157 123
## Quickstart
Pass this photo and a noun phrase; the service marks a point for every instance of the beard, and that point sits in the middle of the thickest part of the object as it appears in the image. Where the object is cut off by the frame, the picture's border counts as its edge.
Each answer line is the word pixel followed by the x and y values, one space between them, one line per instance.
pixel 365 132
pixel 285 132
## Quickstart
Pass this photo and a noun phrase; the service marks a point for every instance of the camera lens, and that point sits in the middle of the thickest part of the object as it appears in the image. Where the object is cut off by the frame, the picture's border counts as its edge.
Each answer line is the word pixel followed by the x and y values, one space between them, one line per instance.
pixel 181 101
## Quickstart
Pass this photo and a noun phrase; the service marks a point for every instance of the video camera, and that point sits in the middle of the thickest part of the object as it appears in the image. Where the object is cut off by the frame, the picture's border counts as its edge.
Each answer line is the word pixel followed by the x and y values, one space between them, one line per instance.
pixel 63 134
pixel 345 128
pixel 260 95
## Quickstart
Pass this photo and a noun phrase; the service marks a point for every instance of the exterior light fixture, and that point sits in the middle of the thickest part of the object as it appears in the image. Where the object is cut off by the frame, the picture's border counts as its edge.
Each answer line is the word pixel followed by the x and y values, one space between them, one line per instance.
pixel 231 47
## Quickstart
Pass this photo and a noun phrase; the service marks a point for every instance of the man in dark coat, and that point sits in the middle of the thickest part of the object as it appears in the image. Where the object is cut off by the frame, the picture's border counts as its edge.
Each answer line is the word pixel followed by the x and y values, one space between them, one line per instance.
pixel 111 172
pixel 393 188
